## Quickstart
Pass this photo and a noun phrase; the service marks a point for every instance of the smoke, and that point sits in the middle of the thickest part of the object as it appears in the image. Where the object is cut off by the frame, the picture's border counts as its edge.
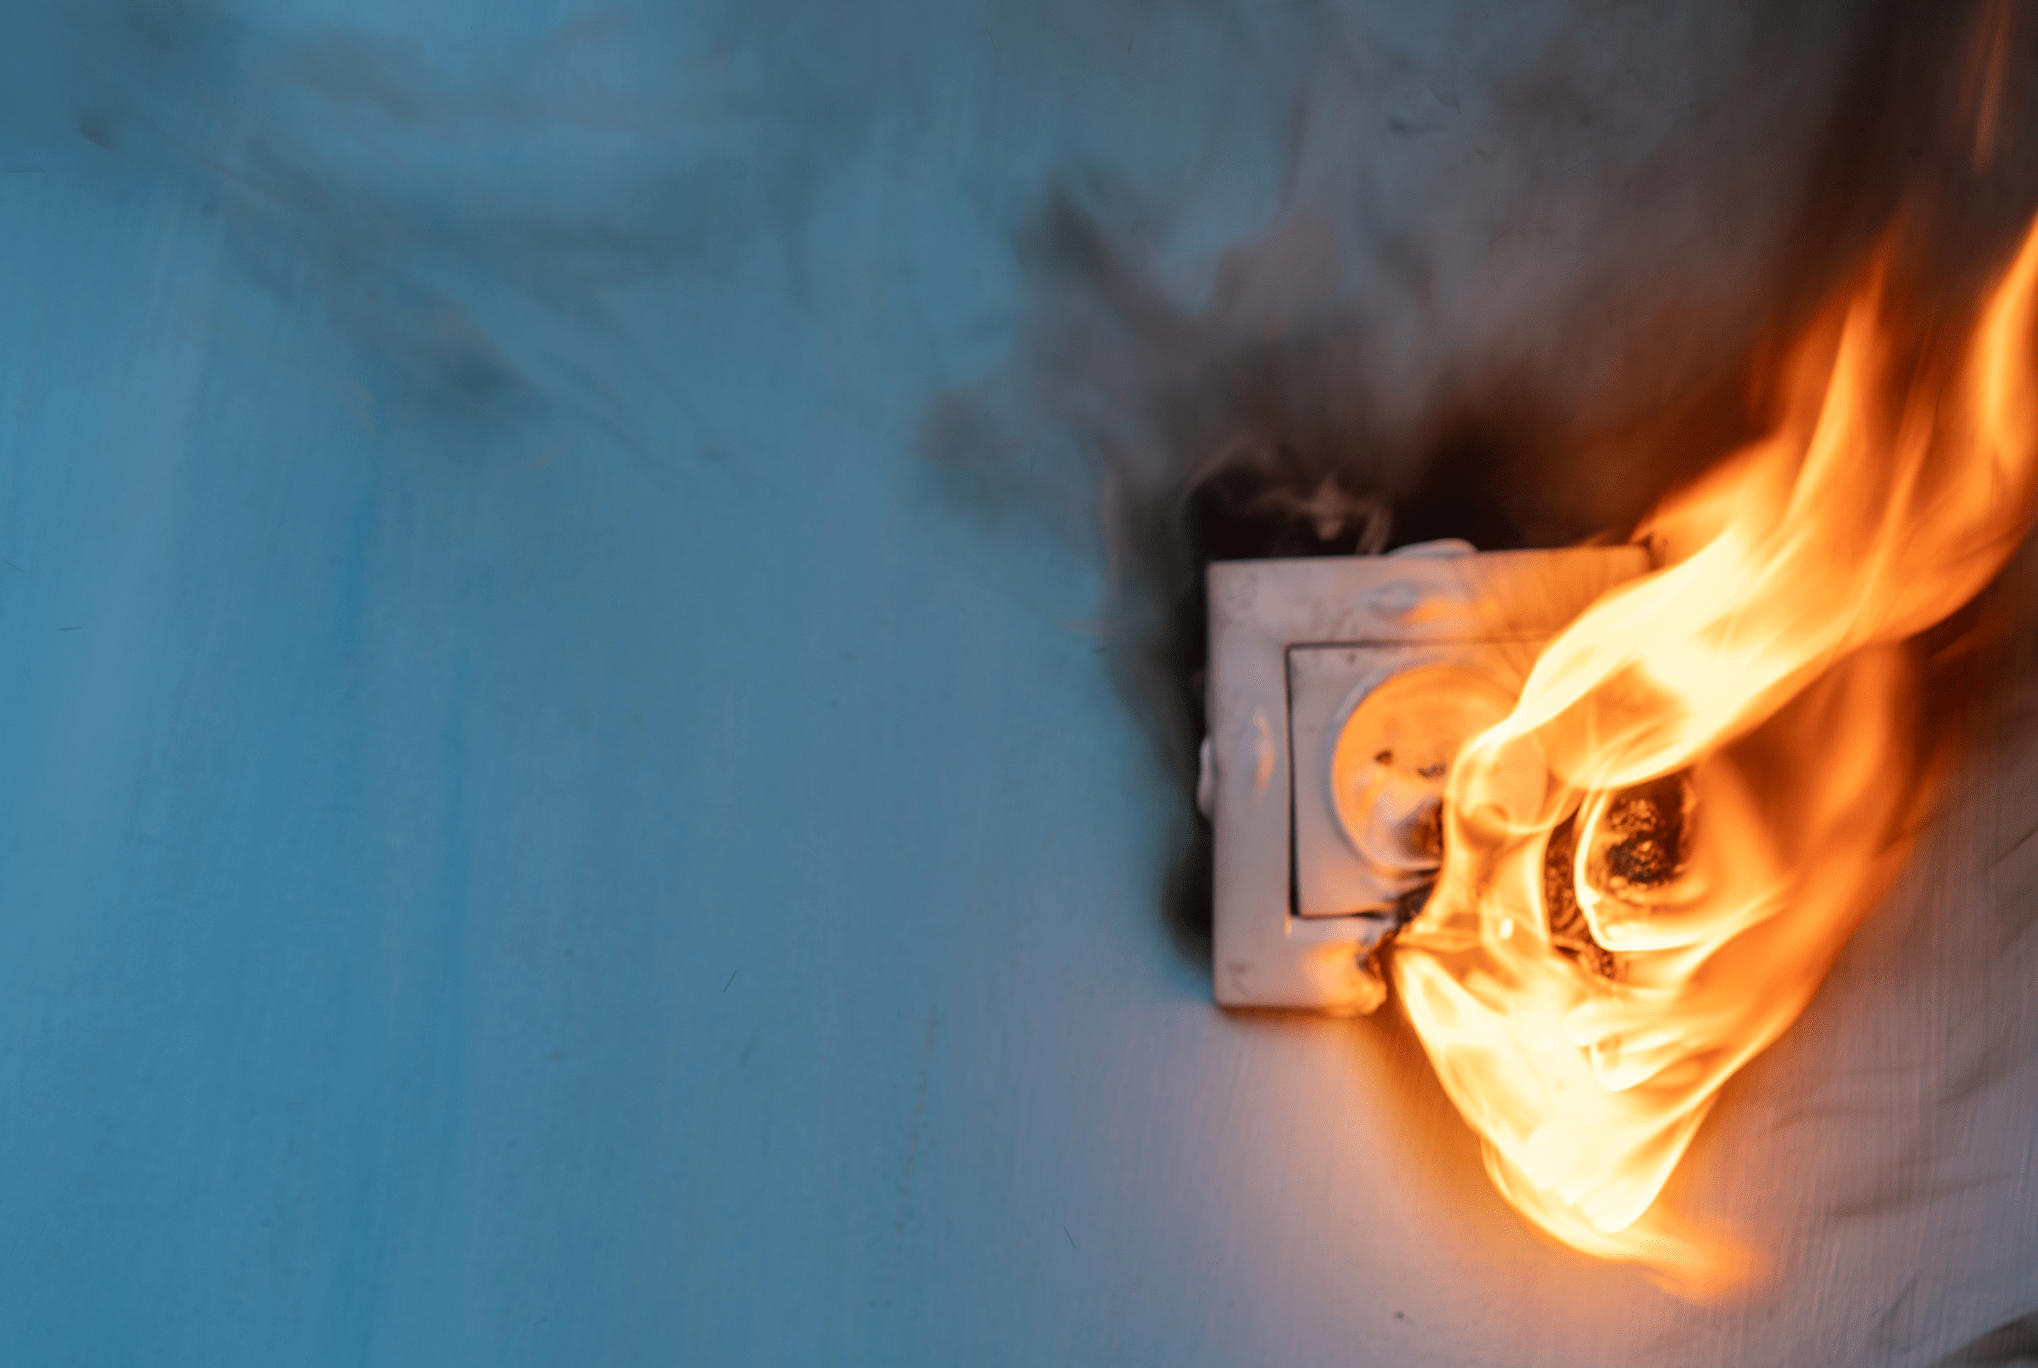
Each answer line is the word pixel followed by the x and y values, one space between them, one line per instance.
pixel 1514 274
pixel 1519 276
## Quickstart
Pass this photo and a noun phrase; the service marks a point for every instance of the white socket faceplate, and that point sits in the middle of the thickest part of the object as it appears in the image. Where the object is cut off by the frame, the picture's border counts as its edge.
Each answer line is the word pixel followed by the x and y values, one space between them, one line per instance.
pixel 1396 657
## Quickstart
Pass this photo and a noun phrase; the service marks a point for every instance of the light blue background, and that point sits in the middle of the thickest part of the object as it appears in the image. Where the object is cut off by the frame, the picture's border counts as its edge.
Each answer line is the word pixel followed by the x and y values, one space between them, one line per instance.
pixel 531 837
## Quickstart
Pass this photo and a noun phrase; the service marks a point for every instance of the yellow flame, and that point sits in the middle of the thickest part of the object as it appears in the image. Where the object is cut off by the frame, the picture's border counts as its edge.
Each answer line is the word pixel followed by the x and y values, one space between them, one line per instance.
pixel 1765 663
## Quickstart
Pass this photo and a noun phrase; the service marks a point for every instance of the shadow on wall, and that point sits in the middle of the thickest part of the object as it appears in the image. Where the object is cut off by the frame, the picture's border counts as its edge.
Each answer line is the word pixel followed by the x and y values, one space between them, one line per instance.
pixel 2003 1347
pixel 1523 279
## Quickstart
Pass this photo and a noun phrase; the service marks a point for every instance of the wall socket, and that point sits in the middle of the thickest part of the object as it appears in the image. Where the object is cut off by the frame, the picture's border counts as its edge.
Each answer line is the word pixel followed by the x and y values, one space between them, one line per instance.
pixel 1339 690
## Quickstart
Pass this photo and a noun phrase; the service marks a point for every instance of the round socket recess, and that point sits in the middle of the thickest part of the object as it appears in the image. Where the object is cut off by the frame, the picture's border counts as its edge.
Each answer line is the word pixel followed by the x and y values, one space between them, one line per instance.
pixel 1392 761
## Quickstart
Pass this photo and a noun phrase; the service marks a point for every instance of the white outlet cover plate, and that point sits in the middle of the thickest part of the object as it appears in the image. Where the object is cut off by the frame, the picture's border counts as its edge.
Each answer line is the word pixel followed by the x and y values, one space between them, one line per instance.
pixel 1376 616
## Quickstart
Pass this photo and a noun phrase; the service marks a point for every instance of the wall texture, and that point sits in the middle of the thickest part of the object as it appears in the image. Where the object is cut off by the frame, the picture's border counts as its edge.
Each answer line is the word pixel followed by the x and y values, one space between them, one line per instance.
pixel 535 833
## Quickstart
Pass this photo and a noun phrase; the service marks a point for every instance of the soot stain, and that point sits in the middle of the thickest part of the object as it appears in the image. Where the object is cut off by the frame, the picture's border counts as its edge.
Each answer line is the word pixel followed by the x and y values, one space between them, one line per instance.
pixel 1227 428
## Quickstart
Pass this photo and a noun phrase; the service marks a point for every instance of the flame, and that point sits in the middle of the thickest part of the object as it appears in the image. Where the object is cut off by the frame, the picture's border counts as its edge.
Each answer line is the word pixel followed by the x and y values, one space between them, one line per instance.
pixel 1758 687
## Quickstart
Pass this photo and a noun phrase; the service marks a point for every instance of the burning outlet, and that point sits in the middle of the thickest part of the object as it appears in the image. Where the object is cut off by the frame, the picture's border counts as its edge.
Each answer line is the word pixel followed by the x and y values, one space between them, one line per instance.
pixel 1340 691
pixel 1605 822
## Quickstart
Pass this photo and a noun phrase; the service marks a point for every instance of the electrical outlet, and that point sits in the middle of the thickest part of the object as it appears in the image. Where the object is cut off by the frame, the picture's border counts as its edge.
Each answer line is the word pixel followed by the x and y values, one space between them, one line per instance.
pixel 1339 691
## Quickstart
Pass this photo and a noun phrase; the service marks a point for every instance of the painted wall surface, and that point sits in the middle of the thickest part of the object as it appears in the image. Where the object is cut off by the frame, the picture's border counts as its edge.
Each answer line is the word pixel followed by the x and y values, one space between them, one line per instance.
pixel 533 832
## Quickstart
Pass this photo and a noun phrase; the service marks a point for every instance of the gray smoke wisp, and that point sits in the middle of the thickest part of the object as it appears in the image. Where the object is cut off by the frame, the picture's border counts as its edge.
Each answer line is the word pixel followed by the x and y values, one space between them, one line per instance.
pixel 1521 275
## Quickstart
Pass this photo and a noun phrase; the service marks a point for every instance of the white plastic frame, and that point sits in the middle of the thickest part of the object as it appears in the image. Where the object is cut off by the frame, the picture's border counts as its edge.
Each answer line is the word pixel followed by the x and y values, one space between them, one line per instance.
pixel 1265 955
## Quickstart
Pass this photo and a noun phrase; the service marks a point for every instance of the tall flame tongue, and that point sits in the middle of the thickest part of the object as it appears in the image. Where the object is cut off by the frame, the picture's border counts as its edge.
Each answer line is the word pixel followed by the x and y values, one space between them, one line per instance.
pixel 1758 680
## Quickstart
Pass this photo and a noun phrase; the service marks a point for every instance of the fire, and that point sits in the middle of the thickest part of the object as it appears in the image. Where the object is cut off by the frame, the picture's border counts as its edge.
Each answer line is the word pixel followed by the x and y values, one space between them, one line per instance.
pixel 1706 780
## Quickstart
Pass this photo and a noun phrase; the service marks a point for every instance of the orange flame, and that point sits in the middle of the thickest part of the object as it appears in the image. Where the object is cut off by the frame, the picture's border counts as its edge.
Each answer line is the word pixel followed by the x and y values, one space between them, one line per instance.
pixel 1764 665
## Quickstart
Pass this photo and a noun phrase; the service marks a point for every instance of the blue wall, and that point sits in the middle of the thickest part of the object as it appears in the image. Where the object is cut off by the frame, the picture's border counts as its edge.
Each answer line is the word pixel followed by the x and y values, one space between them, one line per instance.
pixel 532 831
